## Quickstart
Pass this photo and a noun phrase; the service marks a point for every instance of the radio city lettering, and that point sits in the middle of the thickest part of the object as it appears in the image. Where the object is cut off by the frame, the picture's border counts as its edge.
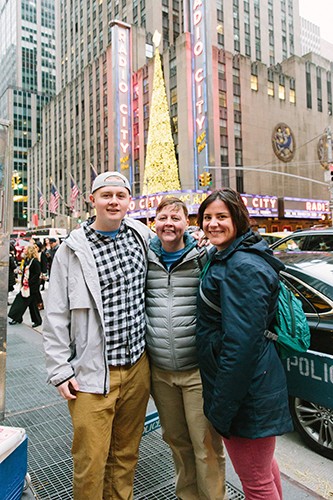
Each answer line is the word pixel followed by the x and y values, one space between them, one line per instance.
pixel 261 206
pixel 192 199
pixel 317 206
pixel 256 205
pixel 123 96
pixel 198 49
pixel 310 209
pixel 199 85
pixel 322 372
pixel 123 127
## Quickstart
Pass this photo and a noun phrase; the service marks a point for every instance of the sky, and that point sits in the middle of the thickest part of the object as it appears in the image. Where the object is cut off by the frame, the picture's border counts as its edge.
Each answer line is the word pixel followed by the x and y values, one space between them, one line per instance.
pixel 319 12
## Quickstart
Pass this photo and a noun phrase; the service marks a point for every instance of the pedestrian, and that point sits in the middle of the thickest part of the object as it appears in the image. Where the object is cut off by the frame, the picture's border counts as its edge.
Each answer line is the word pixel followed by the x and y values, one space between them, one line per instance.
pixel 174 266
pixel 43 263
pixel 11 269
pixel 54 245
pixel 94 340
pixel 29 295
pixel 244 384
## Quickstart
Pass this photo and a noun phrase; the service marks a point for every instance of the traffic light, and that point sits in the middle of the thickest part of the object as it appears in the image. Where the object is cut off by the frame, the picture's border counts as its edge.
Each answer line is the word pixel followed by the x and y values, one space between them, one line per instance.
pixel 331 173
pixel 205 179
pixel 208 178
pixel 202 179
pixel 24 213
pixel 16 180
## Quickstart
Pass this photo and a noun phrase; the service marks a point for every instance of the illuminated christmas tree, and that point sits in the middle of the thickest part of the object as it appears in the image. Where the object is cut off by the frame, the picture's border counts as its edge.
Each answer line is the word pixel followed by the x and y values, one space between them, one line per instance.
pixel 161 170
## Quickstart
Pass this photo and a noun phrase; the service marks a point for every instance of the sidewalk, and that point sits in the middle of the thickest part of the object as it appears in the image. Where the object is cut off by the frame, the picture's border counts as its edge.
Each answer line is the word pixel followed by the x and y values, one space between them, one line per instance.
pixel 35 406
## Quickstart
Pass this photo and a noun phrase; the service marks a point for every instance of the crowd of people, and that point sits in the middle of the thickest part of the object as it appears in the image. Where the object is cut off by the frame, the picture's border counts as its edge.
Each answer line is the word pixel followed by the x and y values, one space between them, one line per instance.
pixel 179 317
pixel 31 273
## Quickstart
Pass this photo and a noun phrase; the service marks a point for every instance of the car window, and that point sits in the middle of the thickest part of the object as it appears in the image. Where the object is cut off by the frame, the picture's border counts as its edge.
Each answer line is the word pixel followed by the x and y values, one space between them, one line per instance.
pixel 292 244
pixel 320 243
pixel 311 302
pixel 270 239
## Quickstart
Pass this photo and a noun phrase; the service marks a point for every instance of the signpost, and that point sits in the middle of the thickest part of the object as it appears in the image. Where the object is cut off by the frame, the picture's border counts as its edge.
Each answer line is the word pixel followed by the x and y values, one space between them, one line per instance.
pixel 6 217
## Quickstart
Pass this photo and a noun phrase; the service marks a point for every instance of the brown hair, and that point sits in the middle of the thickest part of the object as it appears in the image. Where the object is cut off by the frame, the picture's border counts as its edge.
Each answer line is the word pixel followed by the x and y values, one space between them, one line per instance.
pixel 172 200
pixel 236 207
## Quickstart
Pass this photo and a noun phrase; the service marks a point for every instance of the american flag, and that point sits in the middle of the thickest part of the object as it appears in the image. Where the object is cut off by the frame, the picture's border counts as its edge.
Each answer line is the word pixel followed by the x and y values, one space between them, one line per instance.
pixel 54 199
pixel 93 173
pixel 41 203
pixel 74 193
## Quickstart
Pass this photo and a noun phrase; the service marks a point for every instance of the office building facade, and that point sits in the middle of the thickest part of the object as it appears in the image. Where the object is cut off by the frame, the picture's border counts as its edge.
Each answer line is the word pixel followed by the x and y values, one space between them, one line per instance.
pixel 240 97
pixel 28 80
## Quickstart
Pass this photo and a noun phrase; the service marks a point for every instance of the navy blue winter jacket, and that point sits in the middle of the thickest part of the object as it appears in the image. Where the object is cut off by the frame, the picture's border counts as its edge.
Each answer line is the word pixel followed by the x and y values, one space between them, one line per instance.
pixel 244 384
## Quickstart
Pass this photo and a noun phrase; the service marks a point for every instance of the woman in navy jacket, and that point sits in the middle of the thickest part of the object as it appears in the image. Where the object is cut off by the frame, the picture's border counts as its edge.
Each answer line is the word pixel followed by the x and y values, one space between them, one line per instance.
pixel 244 384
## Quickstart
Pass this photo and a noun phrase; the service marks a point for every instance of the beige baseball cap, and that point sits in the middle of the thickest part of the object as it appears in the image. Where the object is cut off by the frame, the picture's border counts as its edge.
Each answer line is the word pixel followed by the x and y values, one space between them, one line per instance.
pixel 110 179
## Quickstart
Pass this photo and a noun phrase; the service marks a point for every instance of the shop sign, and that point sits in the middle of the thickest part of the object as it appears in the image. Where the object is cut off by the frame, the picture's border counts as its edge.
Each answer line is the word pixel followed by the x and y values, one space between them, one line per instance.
pixel 302 208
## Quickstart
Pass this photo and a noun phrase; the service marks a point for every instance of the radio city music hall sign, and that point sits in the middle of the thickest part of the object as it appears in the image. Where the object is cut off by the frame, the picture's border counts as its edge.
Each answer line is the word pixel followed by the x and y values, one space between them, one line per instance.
pixel 199 84
pixel 122 96
pixel 264 206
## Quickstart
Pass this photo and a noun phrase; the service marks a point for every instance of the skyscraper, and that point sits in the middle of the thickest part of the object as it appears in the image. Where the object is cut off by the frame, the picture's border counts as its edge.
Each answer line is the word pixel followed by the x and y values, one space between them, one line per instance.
pixel 28 80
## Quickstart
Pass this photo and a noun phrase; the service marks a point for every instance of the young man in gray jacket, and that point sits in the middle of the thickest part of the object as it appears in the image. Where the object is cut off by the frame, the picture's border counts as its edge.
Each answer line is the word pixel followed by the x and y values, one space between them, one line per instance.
pixel 94 341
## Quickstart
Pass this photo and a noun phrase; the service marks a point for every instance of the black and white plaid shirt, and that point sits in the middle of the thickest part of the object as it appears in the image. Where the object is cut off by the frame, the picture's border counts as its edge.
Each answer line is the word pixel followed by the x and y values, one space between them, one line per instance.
pixel 121 265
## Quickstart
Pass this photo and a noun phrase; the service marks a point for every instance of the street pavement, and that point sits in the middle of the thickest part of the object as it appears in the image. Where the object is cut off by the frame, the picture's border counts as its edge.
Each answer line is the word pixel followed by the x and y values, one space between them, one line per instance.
pixel 35 406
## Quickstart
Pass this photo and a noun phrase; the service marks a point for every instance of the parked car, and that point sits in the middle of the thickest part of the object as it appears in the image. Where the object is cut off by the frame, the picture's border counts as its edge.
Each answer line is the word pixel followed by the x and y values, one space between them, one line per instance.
pixel 274 237
pixel 310 377
pixel 308 240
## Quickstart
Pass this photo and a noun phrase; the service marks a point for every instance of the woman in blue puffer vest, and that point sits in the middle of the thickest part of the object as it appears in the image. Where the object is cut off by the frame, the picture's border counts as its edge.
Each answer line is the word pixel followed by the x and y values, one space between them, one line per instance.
pixel 244 384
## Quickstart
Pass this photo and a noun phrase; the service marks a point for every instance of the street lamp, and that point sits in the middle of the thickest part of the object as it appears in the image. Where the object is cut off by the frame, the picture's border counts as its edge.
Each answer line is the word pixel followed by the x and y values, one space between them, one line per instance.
pixel 329 171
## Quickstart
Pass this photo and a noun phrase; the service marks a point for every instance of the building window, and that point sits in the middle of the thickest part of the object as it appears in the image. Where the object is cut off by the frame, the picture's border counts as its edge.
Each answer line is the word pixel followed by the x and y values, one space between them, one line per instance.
pixel 329 93
pixel 308 86
pixel 282 92
pixel 270 88
pixel 239 181
pixel 292 96
pixel 222 100
pixel 319 91
pixel 254 83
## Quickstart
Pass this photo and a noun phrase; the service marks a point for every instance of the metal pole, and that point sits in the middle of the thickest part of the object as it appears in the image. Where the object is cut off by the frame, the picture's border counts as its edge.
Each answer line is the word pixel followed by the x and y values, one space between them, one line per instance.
pixel 330 168
pixel 6 221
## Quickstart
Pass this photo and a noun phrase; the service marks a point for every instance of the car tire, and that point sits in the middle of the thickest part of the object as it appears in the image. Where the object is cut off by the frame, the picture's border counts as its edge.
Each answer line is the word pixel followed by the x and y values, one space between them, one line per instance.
pixel 315 425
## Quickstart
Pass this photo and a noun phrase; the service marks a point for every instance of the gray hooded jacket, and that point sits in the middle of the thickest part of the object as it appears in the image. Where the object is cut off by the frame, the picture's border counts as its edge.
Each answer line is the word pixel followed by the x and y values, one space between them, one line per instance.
pixel 74 336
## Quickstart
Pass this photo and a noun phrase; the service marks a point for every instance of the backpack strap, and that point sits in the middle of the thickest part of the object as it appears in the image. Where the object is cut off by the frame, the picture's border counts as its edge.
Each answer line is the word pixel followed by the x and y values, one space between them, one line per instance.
pixel 207 301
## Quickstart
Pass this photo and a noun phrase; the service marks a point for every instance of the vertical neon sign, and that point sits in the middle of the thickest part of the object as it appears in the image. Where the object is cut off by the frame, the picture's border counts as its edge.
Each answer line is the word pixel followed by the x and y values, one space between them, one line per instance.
pixel 122 101
pixel 199 87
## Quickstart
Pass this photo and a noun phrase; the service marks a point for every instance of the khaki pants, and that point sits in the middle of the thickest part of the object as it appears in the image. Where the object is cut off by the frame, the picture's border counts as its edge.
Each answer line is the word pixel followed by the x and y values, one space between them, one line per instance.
pixel 196 447
pixel 107 434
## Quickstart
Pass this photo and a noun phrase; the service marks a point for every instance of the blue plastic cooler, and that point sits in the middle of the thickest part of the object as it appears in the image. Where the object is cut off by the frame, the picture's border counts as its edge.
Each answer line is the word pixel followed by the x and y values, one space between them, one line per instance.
pixel 13 462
